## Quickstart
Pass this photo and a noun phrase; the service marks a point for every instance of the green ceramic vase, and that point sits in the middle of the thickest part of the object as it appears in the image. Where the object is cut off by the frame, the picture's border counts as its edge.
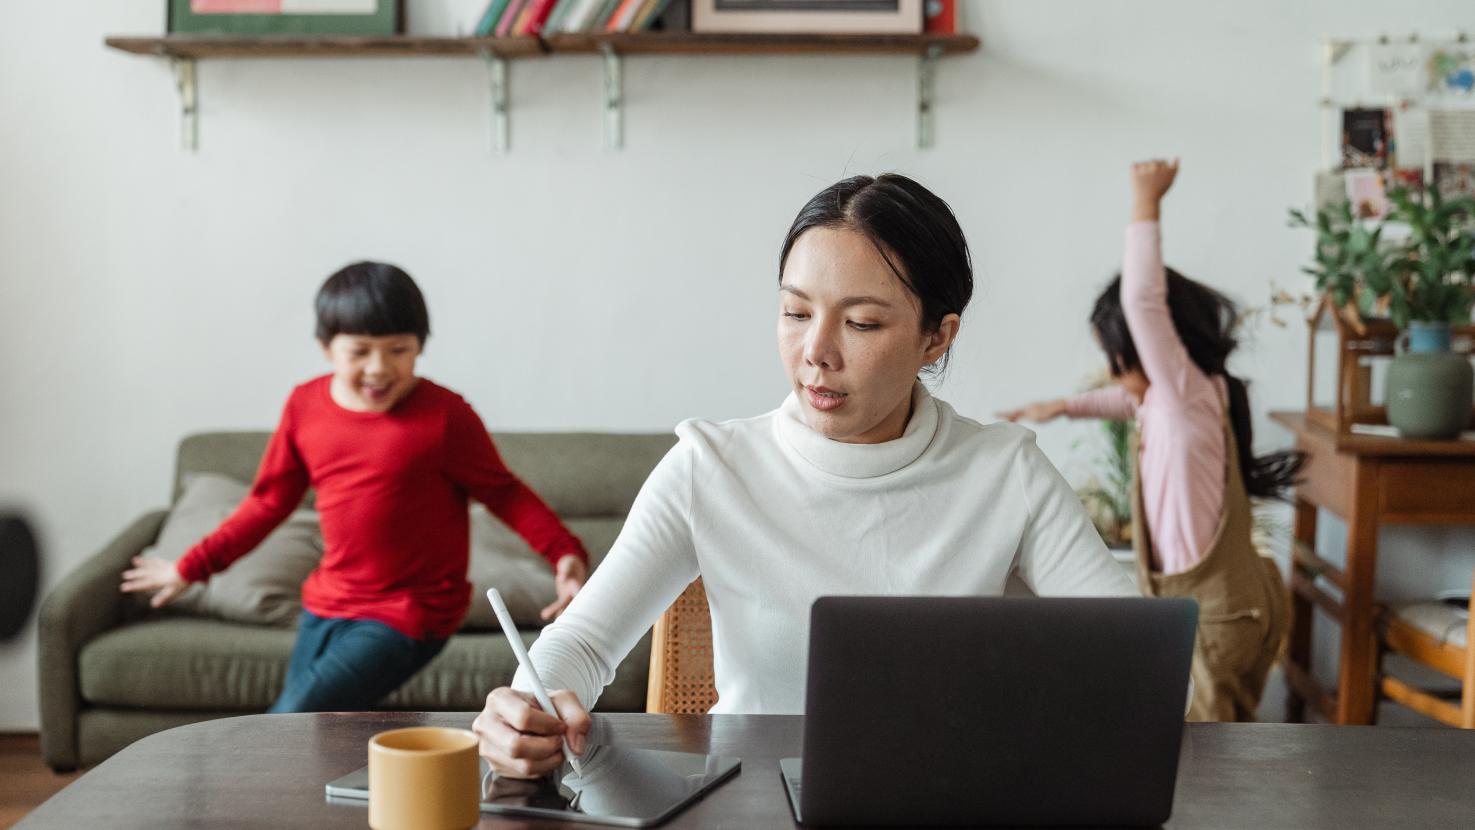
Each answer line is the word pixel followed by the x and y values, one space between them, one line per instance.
pixel 1429 389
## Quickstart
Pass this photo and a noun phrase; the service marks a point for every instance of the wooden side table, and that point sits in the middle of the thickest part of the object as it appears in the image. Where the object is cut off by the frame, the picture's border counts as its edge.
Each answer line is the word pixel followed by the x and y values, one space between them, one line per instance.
pixel 1368 481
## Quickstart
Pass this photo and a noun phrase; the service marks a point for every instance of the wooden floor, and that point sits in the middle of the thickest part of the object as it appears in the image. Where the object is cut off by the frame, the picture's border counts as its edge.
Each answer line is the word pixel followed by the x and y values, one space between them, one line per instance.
pixel 25 782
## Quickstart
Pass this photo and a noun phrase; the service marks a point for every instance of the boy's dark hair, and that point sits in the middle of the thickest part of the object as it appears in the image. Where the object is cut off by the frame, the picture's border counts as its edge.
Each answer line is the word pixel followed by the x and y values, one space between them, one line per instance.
pixel 1205 321
pixel 371 298
pixel 914 231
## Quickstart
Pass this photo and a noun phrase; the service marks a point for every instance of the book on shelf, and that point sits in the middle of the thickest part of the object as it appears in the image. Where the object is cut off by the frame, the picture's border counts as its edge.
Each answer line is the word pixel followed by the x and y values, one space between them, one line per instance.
pixel 941 17
pixel 535 16
pixel 620 20
pixel 606 11
pixel 509 17
pixel 487 25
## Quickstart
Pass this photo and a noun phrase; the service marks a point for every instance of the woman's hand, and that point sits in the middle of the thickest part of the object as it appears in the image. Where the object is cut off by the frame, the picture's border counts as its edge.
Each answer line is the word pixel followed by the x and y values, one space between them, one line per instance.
pixel 569 575
pixel 152 574
pixel 1150 182
pixel 520 740
pixel 1039 412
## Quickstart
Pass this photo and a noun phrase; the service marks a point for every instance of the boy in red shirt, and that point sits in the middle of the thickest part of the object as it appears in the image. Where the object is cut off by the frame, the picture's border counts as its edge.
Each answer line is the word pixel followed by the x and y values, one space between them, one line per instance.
pixel 393 458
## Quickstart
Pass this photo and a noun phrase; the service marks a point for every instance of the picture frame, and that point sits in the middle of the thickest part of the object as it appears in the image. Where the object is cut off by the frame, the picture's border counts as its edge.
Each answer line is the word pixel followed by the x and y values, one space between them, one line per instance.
pixel 808 16
pixel 286 17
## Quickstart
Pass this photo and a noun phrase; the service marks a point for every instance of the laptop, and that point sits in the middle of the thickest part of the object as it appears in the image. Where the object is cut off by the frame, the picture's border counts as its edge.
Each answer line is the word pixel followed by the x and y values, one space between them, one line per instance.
pixel 992 711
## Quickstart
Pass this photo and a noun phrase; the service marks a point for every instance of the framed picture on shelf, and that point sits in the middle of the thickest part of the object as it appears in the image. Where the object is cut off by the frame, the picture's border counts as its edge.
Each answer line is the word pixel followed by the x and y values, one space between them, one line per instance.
pixel 808 16
pixel 286 17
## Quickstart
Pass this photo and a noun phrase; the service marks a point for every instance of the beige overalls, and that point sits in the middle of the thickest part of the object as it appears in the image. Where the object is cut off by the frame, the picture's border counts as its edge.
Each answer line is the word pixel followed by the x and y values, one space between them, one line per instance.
pixel 1243 609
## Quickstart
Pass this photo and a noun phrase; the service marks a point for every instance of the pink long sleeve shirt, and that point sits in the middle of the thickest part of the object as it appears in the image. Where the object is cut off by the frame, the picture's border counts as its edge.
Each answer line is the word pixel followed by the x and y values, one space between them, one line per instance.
pixel 1180 421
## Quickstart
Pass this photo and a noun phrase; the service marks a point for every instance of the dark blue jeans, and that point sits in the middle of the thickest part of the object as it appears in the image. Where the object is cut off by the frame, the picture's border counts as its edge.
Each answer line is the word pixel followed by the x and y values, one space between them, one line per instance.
pixel 348 665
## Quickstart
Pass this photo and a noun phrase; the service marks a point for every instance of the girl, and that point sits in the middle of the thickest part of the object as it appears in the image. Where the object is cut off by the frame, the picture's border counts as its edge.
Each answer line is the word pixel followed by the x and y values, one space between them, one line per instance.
pixel 1167 338
pixel 859 483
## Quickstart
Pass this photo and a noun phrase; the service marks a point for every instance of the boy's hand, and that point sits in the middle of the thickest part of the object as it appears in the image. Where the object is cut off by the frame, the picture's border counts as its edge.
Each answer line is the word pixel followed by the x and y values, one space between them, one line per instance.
pixel 1150 182
pixel 568 577
pixel 1038 413
pixel 152 574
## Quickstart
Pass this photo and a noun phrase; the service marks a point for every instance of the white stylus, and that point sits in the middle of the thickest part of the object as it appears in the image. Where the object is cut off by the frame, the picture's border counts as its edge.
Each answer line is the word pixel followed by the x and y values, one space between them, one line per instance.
pixel 509 628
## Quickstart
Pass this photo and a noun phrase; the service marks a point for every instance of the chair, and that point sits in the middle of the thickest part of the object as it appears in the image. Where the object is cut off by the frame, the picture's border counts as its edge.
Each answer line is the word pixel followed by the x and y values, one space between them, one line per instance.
pixel 1437 635
pixel 681 677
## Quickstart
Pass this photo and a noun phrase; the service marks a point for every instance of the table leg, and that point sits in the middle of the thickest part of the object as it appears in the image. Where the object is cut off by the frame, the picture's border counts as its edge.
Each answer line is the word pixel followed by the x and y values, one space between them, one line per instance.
pixel 1356 694
pixel 1298 647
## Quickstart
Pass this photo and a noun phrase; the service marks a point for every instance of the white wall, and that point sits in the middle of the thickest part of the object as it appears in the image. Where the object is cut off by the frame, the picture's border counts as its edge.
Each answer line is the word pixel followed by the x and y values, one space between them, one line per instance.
pixel 149 293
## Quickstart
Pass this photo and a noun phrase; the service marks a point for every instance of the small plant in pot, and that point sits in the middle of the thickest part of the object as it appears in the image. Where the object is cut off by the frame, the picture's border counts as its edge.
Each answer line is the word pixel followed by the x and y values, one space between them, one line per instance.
pixel 1415 268
pixel 1429 388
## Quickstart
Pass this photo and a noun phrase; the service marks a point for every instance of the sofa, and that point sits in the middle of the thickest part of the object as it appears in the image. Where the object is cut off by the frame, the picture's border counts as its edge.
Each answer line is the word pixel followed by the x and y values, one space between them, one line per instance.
pixel 112 671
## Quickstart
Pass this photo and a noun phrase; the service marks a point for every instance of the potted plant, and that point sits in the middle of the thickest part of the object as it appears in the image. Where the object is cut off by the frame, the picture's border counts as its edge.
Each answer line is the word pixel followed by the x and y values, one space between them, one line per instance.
pixel 1429 388
pixel 1416 268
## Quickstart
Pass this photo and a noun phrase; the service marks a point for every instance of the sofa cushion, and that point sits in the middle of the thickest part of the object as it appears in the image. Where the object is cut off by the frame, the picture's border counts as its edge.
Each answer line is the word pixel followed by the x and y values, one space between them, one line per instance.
pixel 503 560
pixel 264 587
pixel 190 664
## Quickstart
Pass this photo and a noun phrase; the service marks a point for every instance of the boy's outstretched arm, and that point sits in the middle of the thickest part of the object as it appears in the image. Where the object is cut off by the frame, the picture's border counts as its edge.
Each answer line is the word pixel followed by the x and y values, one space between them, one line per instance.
pixel 472 461
pixel 281 481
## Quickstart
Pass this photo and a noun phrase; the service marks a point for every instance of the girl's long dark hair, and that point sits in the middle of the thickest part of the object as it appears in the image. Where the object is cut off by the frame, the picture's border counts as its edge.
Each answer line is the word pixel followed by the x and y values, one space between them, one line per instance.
pixel 1205 322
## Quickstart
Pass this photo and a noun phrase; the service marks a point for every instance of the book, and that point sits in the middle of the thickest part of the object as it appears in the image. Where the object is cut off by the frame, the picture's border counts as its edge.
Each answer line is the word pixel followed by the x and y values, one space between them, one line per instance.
pixel 536 16
pixel 649 15
pixel 488 22
pixel 941 17
pixel 561 10
pixel 509 16
pixel 606 11
pixel 620 20
pixel 582 16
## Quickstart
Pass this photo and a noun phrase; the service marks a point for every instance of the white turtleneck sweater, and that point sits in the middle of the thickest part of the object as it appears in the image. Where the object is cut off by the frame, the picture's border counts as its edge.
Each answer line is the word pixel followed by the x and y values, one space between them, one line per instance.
pixel 773 515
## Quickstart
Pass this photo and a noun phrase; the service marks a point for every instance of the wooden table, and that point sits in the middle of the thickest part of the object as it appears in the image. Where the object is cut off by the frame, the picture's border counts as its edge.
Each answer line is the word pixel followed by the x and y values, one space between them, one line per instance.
pixel 1368 481
pixel 269 771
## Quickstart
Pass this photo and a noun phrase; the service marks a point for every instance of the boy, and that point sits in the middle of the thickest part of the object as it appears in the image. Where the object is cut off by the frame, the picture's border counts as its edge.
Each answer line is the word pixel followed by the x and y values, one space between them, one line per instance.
pixel 393 458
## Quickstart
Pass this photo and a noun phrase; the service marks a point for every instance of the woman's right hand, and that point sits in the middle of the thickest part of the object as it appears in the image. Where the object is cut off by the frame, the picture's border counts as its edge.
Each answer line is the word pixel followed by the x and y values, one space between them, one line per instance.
pixel 520 740
pixel 1039 412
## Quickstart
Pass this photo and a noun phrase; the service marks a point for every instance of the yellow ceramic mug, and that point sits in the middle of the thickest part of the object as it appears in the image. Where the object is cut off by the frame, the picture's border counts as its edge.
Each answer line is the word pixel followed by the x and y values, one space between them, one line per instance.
pixel 424 778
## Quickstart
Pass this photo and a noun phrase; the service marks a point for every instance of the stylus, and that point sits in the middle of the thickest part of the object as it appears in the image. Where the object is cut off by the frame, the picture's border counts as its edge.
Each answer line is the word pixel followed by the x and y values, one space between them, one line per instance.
pixel 509 628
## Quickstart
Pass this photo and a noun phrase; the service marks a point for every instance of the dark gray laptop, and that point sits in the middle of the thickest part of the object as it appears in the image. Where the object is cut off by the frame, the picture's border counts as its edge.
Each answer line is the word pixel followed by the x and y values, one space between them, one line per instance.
pixel 992 711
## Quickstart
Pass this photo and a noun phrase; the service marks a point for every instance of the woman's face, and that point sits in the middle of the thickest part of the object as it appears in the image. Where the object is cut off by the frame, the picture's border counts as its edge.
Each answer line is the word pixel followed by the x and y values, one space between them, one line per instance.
pixel 850 335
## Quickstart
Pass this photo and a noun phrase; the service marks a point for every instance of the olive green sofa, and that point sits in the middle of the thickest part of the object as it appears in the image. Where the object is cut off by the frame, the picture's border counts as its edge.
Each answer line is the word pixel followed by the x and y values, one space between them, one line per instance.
pixel 111 673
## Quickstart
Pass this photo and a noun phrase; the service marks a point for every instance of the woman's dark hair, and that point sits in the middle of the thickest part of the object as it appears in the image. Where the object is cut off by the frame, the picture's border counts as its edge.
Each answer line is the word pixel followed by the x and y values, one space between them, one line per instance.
pixel 1205 322
pixel 914 231
pixel 372 298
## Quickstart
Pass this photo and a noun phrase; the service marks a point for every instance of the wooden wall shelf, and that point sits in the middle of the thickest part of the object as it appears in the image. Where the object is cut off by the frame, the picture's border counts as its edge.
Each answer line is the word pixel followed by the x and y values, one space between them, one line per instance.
pixel 183 51
pixel 195 47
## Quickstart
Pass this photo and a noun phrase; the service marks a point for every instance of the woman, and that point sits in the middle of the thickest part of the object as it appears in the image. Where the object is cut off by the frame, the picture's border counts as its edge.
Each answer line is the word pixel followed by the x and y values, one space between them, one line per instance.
pixel 860 483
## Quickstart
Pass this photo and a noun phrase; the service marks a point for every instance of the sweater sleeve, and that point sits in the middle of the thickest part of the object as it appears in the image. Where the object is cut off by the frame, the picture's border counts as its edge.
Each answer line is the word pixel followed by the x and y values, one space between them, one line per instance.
pixel 280 484
pixel 473 463
pixel 1145 305
pixel 1060 552
pixel 650 564
pixel 1112 403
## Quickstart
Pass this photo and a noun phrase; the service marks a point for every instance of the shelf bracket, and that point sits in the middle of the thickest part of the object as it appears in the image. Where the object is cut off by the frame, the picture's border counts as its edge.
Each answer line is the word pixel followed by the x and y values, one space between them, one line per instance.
pixel 614 99
pixel 189 102
pixel 501 129
pixel 926 95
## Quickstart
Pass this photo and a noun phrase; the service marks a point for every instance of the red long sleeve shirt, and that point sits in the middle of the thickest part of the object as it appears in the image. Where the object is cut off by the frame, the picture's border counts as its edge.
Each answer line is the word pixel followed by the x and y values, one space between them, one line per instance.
pixel 392 491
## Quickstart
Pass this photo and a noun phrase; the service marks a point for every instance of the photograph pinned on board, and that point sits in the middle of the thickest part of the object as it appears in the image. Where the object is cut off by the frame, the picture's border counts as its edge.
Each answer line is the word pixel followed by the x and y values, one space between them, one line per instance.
pixel 1452 70
pixel 1366 194
pixel 286 17
pixel 1398 69
pixel 1366 137
pixel 1454 179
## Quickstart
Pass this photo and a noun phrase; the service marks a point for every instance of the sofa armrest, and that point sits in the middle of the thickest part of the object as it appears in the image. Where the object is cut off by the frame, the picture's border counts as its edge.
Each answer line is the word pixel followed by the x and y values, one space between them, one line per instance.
pixel 86 603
